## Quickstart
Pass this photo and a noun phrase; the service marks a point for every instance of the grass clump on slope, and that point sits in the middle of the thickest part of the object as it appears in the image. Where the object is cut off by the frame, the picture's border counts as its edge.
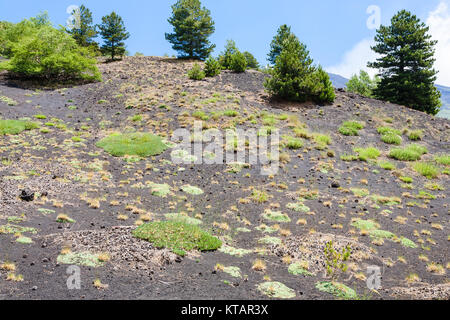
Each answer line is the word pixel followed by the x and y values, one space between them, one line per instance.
pixel 138 143
pixel 177 236
pixel 16 126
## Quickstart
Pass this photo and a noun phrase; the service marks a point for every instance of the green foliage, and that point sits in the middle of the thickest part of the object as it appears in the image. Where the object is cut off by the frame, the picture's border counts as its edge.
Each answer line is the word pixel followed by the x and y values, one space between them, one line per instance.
pixel 113 31
pixel 139 144
pixel 86 32
pixel 226 57
pixel 196 73
pixel 351 128
pixel 362 84
pixel 295 78
pixel 426 169
pixel 13 127
pixel 38 50
pixel 293 143
pixel 337 289
pixel 386 165
pixel 335 260
pixel 192 26
pixel 412 152
pixel 177 236
pixel 415 135
pixel 277 44
pixel 406 63
pixel 212 67
pixel 252 63
pixel 238 62
pixel 443 159
pixel 391 138
pixel 365 154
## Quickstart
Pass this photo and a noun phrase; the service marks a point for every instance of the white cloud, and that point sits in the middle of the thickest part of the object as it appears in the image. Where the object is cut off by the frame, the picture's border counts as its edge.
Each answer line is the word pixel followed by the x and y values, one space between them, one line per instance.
pixel 439 23
pixel 355 60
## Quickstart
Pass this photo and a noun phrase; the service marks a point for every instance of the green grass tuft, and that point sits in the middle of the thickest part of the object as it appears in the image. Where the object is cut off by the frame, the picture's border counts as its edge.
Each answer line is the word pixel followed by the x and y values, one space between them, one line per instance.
pixel 412 152
pixel 365 154
pixel 13 127
pixel 139 144
pixel 426 169
pixel 177 236
pixel 351 128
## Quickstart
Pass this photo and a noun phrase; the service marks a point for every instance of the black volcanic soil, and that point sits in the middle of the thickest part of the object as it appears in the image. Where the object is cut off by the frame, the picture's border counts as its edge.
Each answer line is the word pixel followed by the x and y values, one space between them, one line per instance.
pixel 94 188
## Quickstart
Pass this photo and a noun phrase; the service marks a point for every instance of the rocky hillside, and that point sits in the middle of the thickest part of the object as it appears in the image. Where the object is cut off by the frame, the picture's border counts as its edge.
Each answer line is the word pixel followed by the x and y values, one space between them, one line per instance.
pixel 363 176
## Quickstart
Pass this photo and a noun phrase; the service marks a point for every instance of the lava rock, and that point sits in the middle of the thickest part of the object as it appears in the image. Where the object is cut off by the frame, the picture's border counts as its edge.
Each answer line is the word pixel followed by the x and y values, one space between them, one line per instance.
pixel 26 195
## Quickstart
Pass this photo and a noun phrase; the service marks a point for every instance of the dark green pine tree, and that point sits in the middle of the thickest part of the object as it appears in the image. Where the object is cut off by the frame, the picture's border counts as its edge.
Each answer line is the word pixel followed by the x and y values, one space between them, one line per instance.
pixel 86 32
pixel 276 46
pixel 192 26
pixel 114 34
pixel 406 64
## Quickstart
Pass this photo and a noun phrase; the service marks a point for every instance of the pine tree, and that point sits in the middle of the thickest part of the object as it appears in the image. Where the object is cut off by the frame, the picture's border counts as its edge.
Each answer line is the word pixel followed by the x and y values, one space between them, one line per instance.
pixel 252 63
pixel 86 32
pixel 406 64
pixel 226 57
pixel 295 78
pixel 276 46
pixel 192 26
pixel 114 34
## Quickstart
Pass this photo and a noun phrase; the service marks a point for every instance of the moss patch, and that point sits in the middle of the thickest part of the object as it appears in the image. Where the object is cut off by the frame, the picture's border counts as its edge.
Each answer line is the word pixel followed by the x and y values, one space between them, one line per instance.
pixel 192 190
pixel 277 216
pixel 337 289
pixel 80 258
pixel 276 290
pixel 297 269
pixel 182 218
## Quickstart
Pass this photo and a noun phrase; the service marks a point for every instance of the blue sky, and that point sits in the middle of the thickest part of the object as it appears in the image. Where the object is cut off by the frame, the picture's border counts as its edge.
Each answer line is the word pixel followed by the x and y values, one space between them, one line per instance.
pixel 335 32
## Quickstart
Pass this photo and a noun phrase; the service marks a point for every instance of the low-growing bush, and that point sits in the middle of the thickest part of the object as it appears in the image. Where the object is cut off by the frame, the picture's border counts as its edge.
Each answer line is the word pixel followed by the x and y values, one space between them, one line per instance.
pixel 212 67
pixel 238 62
pixel 196 73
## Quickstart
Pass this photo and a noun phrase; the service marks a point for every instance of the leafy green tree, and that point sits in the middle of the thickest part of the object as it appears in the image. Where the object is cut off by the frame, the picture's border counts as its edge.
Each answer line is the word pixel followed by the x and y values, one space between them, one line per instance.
pixel 362 84
pixel 226 56
pixel 276 46
pixel 252 63
pixel 406 64
pixel 238 62
pixel 192 26
pixel 212 67
pixel 86 32
pixel 295 78
pixel 48 53
pixel 114 34
pixel 10 33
